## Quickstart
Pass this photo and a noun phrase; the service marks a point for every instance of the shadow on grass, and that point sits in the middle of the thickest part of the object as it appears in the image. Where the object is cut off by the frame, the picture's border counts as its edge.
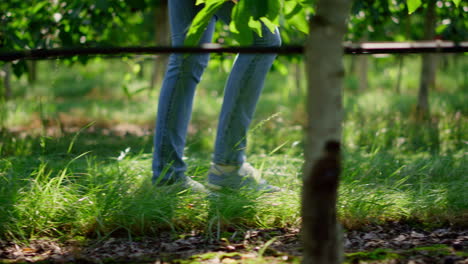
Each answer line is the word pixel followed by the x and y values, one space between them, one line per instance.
pixel 99 186
pixel 230 211
pixel 103 143
pixel 422 188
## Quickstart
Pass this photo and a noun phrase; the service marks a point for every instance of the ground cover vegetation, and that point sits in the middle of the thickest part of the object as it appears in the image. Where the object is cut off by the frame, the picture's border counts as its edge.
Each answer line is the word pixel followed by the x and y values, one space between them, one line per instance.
pixel 76 149
pixel 76 140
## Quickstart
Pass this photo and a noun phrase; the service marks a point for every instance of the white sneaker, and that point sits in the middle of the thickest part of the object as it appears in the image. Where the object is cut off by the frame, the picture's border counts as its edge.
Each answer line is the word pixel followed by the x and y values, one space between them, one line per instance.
pixel 237 177
pixel 185 183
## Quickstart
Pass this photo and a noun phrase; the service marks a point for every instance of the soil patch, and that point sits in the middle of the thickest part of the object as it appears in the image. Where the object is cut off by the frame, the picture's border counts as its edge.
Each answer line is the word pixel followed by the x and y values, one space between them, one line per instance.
pixel 394 243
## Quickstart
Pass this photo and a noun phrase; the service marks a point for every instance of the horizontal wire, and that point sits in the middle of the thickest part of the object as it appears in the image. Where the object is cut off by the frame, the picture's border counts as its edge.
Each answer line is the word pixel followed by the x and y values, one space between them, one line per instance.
pixel 348 47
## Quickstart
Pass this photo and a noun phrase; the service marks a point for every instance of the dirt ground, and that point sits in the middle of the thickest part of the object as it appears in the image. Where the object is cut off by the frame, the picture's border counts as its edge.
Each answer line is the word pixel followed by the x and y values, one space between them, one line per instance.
pixel 393 243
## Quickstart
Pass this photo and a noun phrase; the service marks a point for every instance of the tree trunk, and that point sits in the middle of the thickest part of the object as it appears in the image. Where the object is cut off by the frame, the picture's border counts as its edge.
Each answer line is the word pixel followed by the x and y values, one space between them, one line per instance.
pixel 352 65
pixel 6 74
pixel 363 66
pixel 325 72
pixel 399 74
pixel 141 72
pixel 162 36
pixel 298 77
pixel 428 67
pixel 401 58
pixel 32 72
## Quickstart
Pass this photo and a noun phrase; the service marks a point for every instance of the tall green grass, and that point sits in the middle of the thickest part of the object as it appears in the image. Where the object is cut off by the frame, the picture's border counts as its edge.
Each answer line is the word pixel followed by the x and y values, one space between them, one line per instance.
pixel 68 168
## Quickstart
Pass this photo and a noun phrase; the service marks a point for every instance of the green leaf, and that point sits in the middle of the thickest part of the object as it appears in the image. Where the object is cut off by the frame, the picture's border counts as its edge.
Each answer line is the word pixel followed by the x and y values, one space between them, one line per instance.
pixel 456 2
pixel 440 29
pixel 413 5
pixel 201 21
pixel 140 90
pixel 256 26
pixel 281 68
pixel 300 22
pixel 19 68
pixel 274 7
pixel 126 91
pixel 269 24
pixel 38 7
pixel 258 8
pixel 241 13
pixel 291 8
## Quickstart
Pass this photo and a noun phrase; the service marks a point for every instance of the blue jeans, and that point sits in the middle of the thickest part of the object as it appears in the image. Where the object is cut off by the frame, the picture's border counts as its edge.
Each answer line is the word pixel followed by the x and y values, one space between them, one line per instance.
pixel 241 94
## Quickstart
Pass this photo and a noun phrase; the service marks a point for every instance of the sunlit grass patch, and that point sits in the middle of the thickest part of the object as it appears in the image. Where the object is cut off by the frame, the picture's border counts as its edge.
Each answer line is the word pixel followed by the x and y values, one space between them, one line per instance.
pixel 385 186
pixel 99 198
pixel 428 253
pixel 79 164
pixel 376 255
pixel 236 257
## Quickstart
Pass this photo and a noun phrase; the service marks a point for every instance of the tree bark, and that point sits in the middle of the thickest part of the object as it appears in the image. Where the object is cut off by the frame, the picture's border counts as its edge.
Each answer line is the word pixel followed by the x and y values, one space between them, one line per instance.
pixel 400 59
pixel 428 65
pixel 325 72
pixel 162 36
pixel 32 72
pixel 363 66
pixel 141 72
pixel 6 82
pixel 298 77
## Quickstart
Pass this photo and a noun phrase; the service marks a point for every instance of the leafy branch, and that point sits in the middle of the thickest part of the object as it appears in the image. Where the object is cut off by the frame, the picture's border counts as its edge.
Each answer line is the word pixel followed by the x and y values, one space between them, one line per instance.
pixel 413 5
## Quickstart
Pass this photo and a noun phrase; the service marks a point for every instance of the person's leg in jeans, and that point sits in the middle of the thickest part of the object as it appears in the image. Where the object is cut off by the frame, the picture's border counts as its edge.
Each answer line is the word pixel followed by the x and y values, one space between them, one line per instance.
pixel 177 92
pixel 241 95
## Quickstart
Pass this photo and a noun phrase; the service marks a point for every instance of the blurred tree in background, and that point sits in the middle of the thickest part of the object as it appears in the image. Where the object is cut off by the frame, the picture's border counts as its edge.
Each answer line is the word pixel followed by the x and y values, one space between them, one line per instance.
pixel 70 23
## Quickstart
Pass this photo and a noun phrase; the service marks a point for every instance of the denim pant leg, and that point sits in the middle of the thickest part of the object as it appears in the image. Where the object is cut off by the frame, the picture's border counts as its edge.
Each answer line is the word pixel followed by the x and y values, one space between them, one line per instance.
pixel 177 92
pixel 241 95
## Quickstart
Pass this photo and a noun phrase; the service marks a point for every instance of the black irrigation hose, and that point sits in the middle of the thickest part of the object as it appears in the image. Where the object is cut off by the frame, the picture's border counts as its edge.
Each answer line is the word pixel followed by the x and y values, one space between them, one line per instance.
pixel 406 47
pixel 349 48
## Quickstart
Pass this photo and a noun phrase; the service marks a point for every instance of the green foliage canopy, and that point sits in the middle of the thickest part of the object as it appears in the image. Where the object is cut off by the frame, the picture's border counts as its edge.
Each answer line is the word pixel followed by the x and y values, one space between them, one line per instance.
pixel 69 23
pixel 247 17
pixel 402 20
pixel 46 24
